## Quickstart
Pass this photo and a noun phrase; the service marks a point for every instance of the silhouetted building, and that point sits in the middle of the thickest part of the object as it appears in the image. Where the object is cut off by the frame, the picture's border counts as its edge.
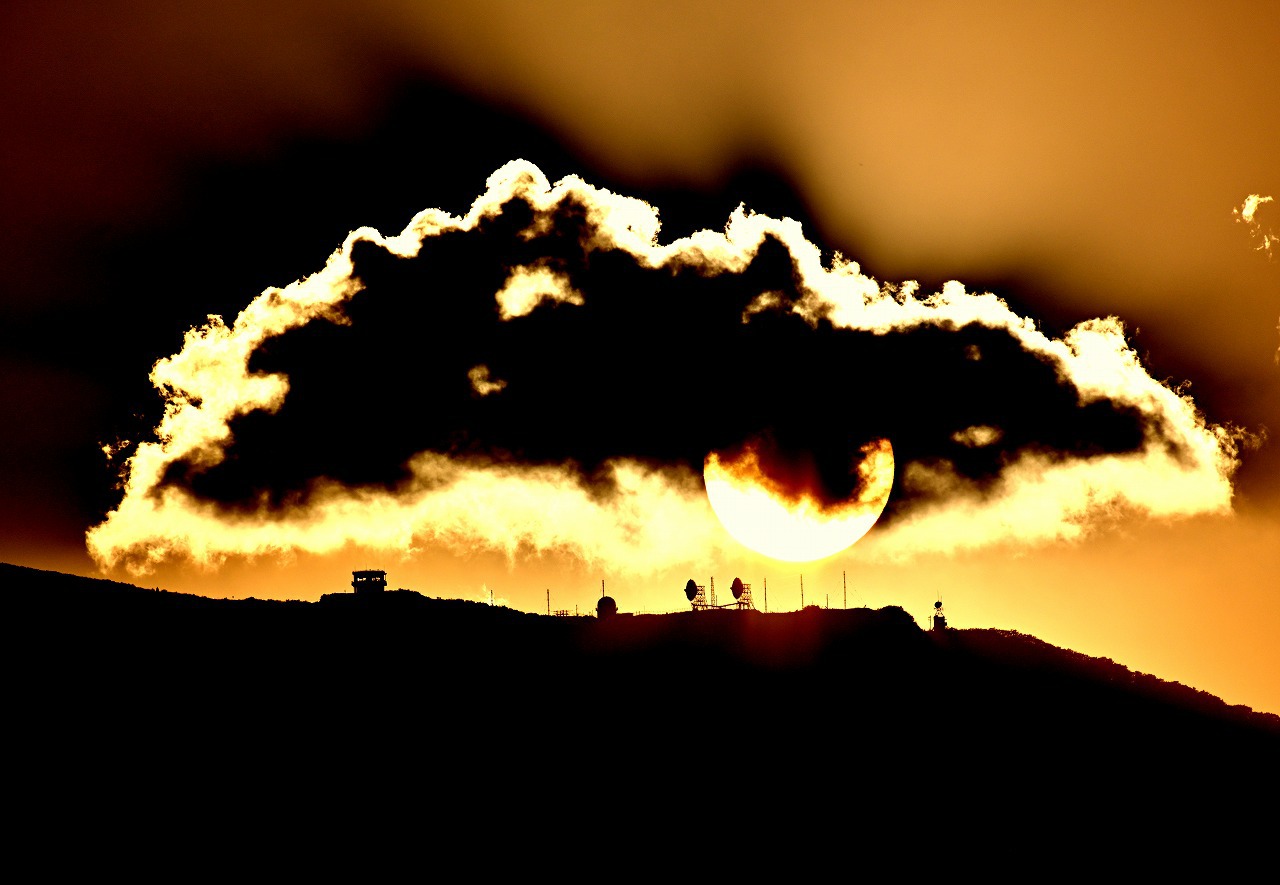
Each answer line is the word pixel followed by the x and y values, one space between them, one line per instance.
pixel 606 607
pixel 368 581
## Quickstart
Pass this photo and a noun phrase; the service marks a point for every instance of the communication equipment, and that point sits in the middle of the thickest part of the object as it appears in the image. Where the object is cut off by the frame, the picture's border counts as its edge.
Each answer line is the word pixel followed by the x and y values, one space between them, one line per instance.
pixel 697 595
pixel 939 619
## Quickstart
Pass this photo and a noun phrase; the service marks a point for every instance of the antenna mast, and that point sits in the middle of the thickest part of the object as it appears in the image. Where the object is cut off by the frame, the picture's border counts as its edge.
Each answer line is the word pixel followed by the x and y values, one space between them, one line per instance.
pixel 844 576
pixel 939 619
pixel 802 591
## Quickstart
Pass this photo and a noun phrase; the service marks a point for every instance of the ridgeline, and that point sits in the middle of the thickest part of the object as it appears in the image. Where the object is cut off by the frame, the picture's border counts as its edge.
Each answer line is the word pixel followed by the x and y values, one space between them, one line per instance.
pixel 733 710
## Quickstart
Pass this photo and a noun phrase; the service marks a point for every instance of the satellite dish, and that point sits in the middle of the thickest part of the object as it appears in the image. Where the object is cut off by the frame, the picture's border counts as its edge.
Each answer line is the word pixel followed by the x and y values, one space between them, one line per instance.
pixel 691 590
pixel 737 588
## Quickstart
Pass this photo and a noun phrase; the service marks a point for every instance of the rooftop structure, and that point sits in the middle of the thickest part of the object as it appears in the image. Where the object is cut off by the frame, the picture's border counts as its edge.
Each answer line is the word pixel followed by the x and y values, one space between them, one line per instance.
pixel 368 581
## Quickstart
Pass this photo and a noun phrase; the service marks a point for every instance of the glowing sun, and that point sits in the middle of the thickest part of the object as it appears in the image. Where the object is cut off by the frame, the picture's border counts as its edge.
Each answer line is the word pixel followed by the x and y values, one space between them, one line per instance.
pixel 796 530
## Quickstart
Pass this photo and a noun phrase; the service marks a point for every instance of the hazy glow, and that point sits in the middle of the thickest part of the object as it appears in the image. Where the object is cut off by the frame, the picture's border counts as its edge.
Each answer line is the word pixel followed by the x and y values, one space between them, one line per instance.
pixel 795 530
pixel 660 518
pixel 1041 499
pixel 657 520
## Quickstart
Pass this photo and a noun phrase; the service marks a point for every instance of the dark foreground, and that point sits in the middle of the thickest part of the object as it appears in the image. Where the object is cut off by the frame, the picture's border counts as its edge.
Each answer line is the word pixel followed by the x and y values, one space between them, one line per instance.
pixel 470 725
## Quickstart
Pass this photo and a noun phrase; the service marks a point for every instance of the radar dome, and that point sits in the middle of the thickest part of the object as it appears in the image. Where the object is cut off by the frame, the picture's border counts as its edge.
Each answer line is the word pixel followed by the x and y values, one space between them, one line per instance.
pixel 938 604
pixel 606 607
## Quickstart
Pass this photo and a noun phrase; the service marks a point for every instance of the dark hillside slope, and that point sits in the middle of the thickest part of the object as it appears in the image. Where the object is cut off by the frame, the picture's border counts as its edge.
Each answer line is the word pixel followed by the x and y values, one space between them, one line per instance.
pixel 471 708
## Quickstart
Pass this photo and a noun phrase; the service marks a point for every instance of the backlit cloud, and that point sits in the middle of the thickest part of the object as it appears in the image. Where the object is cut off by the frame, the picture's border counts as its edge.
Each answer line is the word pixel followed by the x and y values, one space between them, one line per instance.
pixel 543 374
pixel 1247 214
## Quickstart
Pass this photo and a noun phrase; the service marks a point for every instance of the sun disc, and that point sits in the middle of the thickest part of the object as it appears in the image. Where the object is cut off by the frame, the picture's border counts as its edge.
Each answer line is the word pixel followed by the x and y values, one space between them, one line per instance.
pixel 795 530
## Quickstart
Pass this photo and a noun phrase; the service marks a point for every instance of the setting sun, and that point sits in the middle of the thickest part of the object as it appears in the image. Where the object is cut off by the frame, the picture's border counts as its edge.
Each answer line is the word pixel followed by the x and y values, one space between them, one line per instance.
pixel 798 529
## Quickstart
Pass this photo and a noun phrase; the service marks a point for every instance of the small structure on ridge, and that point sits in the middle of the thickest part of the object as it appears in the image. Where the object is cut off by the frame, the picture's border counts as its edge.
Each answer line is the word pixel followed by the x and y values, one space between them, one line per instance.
pixel 939 619
pixel 368 582
pixel 697 596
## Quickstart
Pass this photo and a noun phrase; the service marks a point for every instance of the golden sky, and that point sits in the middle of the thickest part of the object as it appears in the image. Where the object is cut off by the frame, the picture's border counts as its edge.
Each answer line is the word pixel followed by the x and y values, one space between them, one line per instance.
pixel 1090 463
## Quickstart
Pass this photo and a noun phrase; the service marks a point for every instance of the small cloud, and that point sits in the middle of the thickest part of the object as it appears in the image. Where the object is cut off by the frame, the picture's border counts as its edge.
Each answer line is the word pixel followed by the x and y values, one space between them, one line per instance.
pixel 1247 214
pixel 978 435
pixel 481 383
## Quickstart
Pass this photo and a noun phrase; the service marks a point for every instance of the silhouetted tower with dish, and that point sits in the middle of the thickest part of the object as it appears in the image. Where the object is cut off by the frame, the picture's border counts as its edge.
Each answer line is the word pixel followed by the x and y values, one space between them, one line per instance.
pixel 368 582
pixel 742 594
pixel 697 596
pixel 939 619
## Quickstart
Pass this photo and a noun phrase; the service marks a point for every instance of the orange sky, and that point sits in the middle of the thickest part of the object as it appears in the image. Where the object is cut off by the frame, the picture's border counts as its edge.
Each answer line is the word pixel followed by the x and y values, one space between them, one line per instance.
pixel 1080 160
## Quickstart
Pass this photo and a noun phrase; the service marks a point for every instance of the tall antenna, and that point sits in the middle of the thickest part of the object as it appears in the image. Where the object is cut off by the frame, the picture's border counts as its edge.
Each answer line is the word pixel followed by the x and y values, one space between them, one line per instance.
pixel 802 591
pixel 548 600
pixel 844 576
pixel 713 591
pixel 602 588
pixel 766 594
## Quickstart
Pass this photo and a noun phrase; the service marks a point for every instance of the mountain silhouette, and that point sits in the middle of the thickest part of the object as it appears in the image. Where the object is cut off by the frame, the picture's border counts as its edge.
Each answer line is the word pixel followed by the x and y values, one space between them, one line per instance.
pixel 463 715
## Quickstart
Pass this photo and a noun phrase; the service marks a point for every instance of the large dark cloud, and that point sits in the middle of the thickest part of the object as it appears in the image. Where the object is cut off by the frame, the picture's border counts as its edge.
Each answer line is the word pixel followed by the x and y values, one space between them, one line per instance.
pixel 657 364
pixel 92 304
